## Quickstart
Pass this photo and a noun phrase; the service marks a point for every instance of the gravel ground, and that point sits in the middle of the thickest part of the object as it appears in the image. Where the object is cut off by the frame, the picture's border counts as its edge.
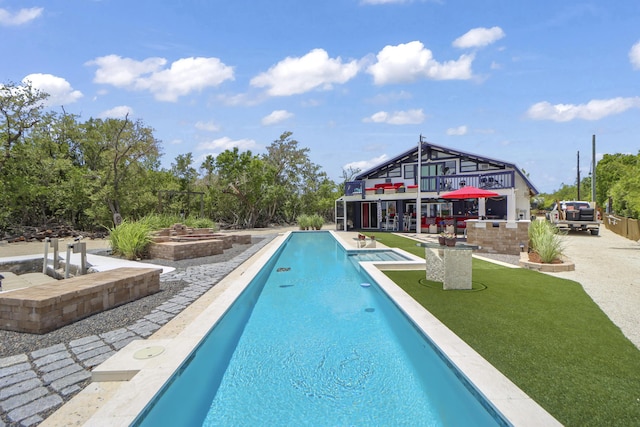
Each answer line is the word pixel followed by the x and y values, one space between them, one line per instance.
pixel 17 343
pixel 608 268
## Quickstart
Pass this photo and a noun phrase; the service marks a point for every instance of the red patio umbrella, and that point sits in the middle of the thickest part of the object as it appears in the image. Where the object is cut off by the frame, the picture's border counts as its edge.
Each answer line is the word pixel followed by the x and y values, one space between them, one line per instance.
pixel 469 192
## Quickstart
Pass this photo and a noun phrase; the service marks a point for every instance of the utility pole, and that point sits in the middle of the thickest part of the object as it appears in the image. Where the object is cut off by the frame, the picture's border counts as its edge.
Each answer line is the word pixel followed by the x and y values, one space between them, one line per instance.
pixel 419 196
pixel 578 176
pixel 593 168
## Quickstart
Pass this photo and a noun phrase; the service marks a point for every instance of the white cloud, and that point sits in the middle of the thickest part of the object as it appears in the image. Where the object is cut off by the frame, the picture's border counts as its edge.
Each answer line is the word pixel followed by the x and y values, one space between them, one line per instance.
pixel 59 90
pixel 315 70
pixel 593 110
pixel 364 165
pixel 479 37
pixel 276 116
pixel 183 77
pixel 406 63
pixel 124 72
pixel 460 130
pixel 207 126
pixel 225 143
pixel 634 56
pixel 119 112
pixel 410 117
pixel 23 16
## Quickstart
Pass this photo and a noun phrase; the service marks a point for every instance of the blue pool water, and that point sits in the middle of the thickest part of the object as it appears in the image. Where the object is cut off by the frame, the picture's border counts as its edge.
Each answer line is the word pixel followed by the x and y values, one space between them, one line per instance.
pixel 307 344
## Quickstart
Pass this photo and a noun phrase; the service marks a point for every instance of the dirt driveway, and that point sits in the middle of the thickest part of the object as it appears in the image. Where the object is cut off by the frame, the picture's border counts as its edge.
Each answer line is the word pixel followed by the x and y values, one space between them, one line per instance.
pixel 608 267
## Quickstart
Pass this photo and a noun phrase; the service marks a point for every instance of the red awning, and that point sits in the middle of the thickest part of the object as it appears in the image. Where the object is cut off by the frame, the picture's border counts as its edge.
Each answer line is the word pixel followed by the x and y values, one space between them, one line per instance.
pixel 469 192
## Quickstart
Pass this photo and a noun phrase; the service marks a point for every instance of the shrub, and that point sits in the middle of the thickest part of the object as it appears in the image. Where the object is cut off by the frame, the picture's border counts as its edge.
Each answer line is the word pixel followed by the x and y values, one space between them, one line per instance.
pixel 304 221
pixel 158 221
pixel 130 239
pixel 196 222
pixel 316 221
pixel 545 240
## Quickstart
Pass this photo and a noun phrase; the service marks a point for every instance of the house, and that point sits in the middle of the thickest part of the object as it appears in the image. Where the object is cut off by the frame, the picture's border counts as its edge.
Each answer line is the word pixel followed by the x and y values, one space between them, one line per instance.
pixel 386 197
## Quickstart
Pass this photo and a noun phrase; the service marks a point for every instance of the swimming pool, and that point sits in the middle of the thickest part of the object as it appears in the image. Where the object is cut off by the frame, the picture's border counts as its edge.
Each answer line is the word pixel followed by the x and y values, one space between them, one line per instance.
pixel 306 343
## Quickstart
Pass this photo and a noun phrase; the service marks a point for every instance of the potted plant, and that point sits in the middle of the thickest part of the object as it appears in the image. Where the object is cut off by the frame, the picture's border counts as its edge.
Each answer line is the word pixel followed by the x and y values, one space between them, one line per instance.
pixel 304 222
pixel 447 239
pixel 316 222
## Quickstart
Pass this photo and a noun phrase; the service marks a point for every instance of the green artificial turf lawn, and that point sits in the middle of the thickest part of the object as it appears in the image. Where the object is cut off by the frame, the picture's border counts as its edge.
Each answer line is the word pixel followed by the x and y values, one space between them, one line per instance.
pixel 544 333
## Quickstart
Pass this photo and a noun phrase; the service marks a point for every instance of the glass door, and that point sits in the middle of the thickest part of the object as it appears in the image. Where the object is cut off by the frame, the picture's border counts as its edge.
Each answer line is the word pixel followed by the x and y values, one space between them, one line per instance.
pixel 369 215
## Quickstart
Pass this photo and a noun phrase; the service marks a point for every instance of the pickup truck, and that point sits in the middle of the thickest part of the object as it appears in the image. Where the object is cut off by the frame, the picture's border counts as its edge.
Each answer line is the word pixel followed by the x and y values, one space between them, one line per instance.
pixel 575 215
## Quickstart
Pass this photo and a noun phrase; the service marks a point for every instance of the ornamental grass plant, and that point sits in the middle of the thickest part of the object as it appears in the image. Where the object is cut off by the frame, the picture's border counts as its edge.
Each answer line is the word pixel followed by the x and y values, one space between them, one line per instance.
pixel 130 239
pixel 316 221
pixel 304 221
pixel 545 241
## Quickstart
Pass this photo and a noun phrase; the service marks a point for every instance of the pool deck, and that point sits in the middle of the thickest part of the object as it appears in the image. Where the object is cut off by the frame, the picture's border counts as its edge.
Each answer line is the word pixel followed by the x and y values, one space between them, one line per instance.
pixel 125 383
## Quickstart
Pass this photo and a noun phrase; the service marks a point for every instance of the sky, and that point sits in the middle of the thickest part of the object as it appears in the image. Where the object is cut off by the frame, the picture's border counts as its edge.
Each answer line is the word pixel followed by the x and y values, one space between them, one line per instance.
pixel 357 82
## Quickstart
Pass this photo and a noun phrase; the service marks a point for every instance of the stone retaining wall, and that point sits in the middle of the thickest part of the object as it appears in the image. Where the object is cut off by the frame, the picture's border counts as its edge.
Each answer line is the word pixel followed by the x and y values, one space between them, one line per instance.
pixel 43 308
pixel 175 251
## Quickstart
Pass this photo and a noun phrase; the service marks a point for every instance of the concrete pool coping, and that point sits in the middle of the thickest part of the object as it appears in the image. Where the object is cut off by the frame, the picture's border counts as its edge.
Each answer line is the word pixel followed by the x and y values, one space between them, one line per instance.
pixel 124 384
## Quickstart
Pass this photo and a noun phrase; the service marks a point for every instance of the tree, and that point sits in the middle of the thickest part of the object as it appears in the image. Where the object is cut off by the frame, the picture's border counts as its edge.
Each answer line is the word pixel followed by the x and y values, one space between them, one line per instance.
pixel 625 195
pixel 247 179
pixel 20 110
pixel 185 172
pixel 55 168
pixel 118 153
pixel 296 183
pixel 612 169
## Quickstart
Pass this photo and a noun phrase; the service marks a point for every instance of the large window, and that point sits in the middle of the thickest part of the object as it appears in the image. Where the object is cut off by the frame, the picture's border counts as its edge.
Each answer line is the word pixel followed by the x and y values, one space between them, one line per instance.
pixel 468 166
pixel 448 168
pixel 431 171
pixel 409 171
pixel 391 171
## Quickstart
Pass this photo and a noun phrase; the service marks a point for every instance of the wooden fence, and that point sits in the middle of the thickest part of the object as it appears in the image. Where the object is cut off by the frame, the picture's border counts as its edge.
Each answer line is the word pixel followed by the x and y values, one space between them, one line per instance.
pixel 625 227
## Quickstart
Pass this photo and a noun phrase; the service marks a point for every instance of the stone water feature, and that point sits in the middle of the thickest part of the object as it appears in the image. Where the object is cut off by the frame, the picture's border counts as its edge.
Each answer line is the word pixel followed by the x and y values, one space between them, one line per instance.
pixel 181 242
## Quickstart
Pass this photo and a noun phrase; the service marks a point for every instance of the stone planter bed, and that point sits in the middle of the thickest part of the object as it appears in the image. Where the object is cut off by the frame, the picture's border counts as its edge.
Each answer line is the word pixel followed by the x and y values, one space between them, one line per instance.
pixel 180 242
pixel 43 308
pixel 556 267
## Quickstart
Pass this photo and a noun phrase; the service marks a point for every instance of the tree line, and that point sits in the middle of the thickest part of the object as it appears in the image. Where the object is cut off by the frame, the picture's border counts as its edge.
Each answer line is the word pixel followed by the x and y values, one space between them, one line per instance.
pixel 56 168
pixel 617 186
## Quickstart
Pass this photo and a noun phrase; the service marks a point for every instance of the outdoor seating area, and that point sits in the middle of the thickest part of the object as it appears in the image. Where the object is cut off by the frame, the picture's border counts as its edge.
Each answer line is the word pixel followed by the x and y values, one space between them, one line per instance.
pixel 386 188
pixel 433 225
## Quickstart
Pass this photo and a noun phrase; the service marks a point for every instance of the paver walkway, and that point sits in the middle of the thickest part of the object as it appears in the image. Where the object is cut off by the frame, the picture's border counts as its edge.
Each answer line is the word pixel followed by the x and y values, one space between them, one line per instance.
pixel 33 385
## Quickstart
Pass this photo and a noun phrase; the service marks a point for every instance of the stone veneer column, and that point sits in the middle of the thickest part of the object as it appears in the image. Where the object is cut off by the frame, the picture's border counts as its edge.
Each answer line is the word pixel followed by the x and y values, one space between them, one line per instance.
pixel 450 266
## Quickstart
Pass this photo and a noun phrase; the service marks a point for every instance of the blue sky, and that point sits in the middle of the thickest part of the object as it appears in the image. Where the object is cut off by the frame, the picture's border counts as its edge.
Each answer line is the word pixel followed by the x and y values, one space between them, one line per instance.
pixel 356 81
